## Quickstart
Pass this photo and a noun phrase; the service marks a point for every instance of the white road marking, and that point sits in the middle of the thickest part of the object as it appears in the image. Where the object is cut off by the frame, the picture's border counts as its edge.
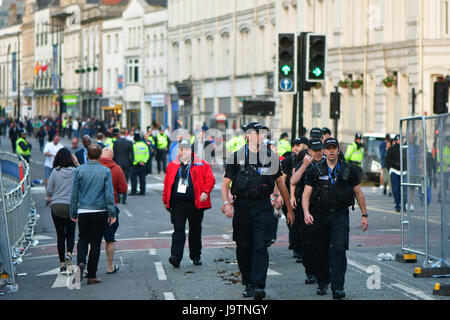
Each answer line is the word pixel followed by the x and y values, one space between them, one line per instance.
pixel 127 212
pixel 42 237
pixel 406 289
pixel 49 273
pixel 271 272
pixel 413 291
pixel 160 271
pixel 152 252
pixel 169 296
pixel 170 232
pixel 60 282
pixel 158 178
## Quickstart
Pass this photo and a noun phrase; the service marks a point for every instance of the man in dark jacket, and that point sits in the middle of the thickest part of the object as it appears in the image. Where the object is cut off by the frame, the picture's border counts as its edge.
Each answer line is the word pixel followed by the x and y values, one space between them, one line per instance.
pixel 13 136
pixel 123 156
pixel 393 165
pixel 82 153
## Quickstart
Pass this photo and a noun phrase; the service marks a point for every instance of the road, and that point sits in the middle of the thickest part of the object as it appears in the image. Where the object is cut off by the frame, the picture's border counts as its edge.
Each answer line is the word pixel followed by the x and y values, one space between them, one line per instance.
pixel 143 249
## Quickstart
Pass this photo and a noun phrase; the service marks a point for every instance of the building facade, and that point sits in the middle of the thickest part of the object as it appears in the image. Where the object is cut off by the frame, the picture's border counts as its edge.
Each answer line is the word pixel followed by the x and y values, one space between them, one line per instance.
pixel 374 41
pixel 221 52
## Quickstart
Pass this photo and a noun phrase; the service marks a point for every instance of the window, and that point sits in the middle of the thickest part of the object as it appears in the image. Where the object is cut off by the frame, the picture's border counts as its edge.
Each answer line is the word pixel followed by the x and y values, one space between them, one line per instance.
pixel 108 81
pixel 188 46
pixel 108 44
pixel 133 71
pixel 210 51
pixel 116 43
pixel 447 17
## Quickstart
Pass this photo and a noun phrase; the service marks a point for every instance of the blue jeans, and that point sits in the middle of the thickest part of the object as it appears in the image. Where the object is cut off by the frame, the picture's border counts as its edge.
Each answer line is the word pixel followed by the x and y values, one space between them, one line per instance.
pixel 395 181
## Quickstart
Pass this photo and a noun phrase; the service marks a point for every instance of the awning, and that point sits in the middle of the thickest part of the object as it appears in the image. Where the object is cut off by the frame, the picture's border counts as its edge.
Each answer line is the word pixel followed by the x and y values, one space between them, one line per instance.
pixel 116 108
pixel 221 117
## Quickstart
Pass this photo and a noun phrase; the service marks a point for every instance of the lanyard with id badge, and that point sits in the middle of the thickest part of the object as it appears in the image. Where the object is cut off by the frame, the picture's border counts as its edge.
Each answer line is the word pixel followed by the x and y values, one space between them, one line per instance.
pixel 183 183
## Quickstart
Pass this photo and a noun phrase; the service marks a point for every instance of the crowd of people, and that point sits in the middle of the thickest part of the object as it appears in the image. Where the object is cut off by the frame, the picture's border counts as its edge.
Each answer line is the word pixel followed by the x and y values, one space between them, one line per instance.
pixel 309 180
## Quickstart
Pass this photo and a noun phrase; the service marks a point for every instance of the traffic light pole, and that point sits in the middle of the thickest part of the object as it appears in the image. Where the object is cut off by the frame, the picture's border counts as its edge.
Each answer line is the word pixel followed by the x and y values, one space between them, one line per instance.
pixel 301 78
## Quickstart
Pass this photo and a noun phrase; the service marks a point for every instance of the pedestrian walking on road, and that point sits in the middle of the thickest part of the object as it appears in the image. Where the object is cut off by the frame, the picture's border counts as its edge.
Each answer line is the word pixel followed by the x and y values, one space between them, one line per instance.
pixel 13 130
pixel 81 154
pixel 330 189
pixel 92 206
pixel 187 187
pixel 50 151
pixel 123 156
pixel 393 165
pixel 41 137
pixel 253 171
pixel 120 186
pixel 59 192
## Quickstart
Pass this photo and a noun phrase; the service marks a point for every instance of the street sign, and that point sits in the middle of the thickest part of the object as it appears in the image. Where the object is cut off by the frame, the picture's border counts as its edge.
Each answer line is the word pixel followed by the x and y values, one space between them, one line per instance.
pixel 286 84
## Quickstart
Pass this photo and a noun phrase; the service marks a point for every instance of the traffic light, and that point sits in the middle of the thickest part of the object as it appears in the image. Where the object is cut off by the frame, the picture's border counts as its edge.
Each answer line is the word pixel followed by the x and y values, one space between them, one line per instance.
pixel 316 52
pixel 287 67
pixel 335 105
pixel 440 101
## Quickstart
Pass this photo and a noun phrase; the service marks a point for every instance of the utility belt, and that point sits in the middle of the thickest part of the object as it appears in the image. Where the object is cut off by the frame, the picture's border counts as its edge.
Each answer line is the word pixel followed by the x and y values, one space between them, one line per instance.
pixel 355 163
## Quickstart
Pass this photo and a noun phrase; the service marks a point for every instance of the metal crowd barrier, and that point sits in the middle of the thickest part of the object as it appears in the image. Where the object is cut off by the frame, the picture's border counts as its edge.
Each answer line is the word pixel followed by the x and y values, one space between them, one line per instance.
pixel 17 218
pixel 425 218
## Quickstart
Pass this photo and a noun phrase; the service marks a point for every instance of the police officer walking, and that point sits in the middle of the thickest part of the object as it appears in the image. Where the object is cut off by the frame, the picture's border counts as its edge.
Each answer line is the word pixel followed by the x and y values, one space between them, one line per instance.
pixel 23 148
pixel 330 189
pixel 288 165
pixel 139 168
pixel 355 152
pixel 253 172
pixel 162 147
pixel 303 232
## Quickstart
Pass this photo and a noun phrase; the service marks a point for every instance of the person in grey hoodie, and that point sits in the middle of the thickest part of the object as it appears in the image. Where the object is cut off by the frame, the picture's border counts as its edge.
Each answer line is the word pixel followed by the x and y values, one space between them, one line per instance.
pixel 59 192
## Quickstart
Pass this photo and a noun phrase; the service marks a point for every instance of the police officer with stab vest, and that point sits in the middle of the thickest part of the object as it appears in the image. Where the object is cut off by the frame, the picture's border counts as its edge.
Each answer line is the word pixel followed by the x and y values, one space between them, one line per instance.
pixel 355 152
pixel 284 145
pixel 304 236
pixel 162 147
pixel 23 148
pixel 330 189
pixel 139 168
pixel 253 172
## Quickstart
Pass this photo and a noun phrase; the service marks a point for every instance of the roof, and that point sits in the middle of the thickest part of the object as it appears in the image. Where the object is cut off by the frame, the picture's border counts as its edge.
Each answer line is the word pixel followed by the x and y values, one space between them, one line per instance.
pixel 162 3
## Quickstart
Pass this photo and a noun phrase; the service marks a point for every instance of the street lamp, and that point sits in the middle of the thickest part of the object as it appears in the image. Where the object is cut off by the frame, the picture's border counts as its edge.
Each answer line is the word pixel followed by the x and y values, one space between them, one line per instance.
pixel 60 39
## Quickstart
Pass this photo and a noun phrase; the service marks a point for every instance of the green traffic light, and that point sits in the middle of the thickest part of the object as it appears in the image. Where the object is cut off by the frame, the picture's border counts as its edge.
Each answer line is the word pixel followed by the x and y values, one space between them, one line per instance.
pixel 317 72
pixel 286 69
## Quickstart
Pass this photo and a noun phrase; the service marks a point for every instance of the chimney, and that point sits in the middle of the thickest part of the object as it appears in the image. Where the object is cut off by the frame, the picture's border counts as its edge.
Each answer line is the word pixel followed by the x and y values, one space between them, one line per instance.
pixel 12 14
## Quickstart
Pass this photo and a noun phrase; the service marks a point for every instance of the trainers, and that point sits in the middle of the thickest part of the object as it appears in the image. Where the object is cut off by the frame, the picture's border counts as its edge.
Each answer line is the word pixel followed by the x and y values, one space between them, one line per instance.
pixel 338 294
pixel 259 294
pixel 411 207
pixel 248 292
pixel 322 289
pixel 68 260
pixel 174 261
pixel 63 270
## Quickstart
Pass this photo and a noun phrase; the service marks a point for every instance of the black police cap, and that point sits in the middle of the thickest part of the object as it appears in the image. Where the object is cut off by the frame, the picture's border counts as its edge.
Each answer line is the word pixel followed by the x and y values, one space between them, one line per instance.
pixel 331 142
pixel 315 144
pixel 325 130
pixel 299 141
pixel 358 136
pixel 316 133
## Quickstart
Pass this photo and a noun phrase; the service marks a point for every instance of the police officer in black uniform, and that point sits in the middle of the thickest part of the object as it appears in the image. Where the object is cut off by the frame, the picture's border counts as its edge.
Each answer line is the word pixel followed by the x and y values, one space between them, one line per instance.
pixel 253 172
pixel 330 189
pixel 288 165
pixel 314 156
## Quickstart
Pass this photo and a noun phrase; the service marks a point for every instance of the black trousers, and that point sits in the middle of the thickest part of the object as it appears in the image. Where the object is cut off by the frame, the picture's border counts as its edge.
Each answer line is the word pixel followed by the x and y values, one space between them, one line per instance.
pixel 91 227
pixel 161 160
pixel 181 211
pixel 65 232
pixel 330 238
pixel 140 172
pixel 252 226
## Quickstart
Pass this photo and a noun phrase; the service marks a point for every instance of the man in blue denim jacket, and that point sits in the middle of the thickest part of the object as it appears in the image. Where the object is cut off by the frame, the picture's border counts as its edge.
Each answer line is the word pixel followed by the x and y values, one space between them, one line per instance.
pixel 92 206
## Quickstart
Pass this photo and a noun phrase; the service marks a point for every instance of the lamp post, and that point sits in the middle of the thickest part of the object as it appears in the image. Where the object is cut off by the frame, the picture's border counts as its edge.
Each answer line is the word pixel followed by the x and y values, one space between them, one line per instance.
pixel 60 39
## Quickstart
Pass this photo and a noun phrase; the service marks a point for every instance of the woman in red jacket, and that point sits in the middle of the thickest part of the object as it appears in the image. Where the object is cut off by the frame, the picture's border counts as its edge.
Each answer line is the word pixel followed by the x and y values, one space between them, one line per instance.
pixel 188 183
